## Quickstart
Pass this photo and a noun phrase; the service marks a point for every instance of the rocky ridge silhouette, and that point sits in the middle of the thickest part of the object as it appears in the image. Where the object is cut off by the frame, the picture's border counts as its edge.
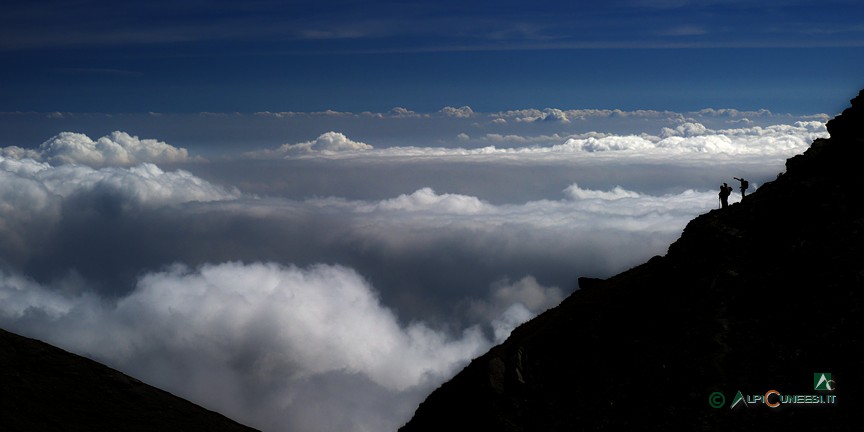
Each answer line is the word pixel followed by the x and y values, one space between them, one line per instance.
pixel 761 296
pixel 43 388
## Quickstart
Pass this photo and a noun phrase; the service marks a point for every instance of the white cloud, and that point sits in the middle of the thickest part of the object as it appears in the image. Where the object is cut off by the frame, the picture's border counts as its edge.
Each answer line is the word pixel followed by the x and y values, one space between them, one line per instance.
pixel 326 144
pixel 756 140
pixel 15 152
pixel 222 334
pixel 330 305
pixel 521 139
pixel 427 201
pixel 116 149
pixel 535 115
pixel 303 115
pixel 686 140
pixel 607 143
pixel 446 234
pixel 32 194
pixel 700 144
pixel 733 113
pixel 461 112
pixel 401 112
pixel 253 340
pixel 28 208
pixel 627 226
pixel 145 184
pixel 513 303
pixel 617 193
pixel 512 317
pixel 279 114
pixel 687 129
pixel 411 216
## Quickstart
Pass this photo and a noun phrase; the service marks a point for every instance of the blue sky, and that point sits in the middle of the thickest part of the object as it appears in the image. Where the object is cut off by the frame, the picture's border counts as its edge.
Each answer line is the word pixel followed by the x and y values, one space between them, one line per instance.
pixel 188 56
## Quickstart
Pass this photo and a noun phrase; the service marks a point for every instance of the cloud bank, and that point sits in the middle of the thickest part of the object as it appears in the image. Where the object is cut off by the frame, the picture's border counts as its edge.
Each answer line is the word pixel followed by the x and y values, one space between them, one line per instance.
pixel 326 144
pixel 116 149
pixel 264 309
pixel 688 139
pixel 261 328
pixel 29 184
pixel 330 284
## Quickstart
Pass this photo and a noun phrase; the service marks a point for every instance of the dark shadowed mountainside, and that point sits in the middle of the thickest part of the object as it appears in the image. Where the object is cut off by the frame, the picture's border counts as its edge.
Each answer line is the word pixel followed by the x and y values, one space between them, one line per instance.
pixel 760 298
pixel 43 388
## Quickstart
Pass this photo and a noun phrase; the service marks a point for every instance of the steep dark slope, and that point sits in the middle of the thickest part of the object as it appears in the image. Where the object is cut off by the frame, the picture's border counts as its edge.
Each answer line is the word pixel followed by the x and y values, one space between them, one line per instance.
pixel 756 297
pixel 43 388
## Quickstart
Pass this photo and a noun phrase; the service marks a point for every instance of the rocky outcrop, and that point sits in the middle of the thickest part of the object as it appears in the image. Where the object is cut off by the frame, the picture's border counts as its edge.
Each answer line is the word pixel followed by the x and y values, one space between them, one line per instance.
pixel 43 388
pixel 756 297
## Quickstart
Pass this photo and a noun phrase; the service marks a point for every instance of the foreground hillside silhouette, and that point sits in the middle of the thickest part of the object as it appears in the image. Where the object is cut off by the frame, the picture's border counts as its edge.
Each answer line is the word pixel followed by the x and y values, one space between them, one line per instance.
pixel 43 388
pixel 760 296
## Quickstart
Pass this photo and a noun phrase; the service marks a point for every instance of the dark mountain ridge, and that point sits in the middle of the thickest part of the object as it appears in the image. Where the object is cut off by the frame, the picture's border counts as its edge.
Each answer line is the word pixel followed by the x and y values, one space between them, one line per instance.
pixel 760 296
pixel 43 388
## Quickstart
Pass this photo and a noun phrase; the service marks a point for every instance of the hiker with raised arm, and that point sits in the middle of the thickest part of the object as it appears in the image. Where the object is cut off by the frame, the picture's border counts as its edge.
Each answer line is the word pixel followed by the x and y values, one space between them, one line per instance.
pixel 744 185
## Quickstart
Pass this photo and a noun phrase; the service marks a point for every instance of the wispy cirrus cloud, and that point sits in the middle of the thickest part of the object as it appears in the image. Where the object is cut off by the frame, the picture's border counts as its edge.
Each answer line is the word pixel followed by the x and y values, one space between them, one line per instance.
pixel 417 27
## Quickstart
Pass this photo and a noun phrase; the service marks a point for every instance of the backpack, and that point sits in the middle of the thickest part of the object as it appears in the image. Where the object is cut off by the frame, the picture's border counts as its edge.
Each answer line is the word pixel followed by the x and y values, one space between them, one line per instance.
pixel 745 184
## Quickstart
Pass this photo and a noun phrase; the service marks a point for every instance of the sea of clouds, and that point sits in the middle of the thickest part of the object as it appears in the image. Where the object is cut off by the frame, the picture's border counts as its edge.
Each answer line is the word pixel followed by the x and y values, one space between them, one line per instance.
pixel 330 282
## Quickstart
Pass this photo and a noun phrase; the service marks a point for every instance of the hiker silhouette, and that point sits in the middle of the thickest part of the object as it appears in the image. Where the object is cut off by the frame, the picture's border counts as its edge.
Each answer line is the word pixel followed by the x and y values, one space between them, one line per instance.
pixel 725 191
pixel 744 185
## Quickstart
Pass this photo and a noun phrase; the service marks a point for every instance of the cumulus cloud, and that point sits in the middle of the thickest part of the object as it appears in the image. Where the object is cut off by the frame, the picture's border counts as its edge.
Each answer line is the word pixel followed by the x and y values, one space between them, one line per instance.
pixel 734 113
pixel 615 194
pixel 427 201
pixel 401 112
pixel 461 112
pixel 512 303
pixel 776 139
pixel 28 209
pixel 15 152
pixel 521 139
pixel 326 144
pixel 687 139
pixel 258 325
pixel 145 184
pixel 116 149
pixel 687 129
pixel 607 143
pixel 561 116
pixel 535 115
pixel 696 138
pixel 34 195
